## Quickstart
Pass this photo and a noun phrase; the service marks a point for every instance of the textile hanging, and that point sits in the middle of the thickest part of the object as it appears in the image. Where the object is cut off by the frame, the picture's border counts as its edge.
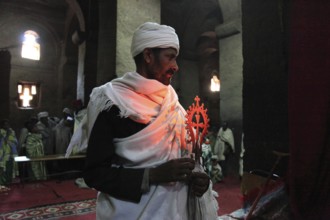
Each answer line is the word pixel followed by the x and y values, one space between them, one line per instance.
pixel 309 110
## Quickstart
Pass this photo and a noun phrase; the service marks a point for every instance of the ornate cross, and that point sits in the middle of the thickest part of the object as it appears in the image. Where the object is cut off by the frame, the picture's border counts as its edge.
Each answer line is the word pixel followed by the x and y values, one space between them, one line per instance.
pixel 197 124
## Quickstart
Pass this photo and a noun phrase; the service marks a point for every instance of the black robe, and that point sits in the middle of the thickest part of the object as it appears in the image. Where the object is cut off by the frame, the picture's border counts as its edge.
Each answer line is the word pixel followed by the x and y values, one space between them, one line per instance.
pixel 121 183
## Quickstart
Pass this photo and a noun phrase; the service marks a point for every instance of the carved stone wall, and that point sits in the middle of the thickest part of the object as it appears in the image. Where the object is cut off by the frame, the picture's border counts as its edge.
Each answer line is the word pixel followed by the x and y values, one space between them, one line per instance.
pixel 132 14
pixel 229 34
pixel 191 19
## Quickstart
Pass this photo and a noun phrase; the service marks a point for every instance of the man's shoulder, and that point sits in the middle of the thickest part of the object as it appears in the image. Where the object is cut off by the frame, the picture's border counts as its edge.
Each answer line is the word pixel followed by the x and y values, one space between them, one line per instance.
pixel 82 111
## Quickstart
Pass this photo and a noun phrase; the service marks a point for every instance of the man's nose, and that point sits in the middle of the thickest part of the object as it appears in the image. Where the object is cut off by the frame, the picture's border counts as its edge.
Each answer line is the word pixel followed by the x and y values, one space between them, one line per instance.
pixel 175 67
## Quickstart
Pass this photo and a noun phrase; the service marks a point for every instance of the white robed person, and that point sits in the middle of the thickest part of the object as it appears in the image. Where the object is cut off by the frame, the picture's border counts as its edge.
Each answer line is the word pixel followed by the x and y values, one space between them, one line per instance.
pixel 137 156
pixel 224 146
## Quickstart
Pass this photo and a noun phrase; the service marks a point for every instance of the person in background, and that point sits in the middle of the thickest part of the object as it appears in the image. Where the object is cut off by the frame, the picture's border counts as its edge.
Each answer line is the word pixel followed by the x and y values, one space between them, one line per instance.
pixel 35 148
pixel 137 156
pixel 79 113
pixel 212 135
pixel 45 126
pixel 216 171
pixel 8 151
pixel 241 158
pixel 62 132
pixel 66 113
pixel 224 146
pixel 23 133
pixel 207 155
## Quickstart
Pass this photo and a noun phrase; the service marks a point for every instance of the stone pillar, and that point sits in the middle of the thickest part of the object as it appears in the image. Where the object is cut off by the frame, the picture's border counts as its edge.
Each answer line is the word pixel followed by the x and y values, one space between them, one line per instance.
pixel 128 19
pixel 231 71
pixel 5 58
pixel 106 62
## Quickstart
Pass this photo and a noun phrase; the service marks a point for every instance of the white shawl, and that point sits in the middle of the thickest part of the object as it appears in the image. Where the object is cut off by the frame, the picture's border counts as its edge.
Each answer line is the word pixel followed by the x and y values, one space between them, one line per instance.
pixel 164 138
pixel 138 98
pixel 223 137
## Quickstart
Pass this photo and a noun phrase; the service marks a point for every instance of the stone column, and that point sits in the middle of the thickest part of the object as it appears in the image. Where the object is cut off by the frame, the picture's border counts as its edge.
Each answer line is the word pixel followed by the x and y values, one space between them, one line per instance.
pixel 128 19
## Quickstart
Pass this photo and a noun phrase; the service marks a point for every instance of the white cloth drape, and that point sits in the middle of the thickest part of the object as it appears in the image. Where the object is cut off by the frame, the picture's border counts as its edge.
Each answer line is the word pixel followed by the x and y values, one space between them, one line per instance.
pixel 223 137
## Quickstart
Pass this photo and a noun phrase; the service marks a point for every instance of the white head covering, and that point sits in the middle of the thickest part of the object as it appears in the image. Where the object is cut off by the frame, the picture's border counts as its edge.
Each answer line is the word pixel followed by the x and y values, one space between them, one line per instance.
pixel 42 115
pixel 151 35
pixel 67 110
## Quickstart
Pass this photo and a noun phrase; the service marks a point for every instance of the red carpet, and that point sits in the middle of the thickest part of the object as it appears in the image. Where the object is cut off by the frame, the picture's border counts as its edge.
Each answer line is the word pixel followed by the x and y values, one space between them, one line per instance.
pixel 43 194
pixel 57 211
pixel 230 197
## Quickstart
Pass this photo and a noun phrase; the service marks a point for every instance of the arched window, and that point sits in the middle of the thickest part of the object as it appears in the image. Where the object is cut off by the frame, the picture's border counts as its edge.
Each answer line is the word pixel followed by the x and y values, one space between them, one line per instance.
pixel 30 46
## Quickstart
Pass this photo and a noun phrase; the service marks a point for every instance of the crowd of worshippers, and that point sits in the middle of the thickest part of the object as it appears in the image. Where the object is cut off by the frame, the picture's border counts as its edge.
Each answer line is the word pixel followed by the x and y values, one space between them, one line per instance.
pixel 46 135
pixel 40 135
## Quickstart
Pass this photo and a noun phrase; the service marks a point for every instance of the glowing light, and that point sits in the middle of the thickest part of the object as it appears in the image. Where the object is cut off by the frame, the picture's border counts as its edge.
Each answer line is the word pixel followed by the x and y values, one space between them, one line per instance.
pixel 33 90
pixel 215 84
pixel 30 47
pixel 27 91
pixel 19 88
pixel 26 97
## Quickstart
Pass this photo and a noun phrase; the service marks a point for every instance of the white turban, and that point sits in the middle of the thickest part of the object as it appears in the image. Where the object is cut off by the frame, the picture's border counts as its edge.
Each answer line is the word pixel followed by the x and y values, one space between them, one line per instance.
pixel 152 35
pixel 67 110
pixel 42 115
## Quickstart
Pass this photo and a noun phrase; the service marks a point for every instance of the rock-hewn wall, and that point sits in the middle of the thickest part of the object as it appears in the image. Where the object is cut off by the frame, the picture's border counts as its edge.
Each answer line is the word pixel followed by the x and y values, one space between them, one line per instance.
pixel 229 34
pixel 131 14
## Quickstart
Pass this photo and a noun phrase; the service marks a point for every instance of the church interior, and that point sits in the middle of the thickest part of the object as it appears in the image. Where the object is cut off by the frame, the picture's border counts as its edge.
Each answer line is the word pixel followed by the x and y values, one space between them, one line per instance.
pixel 271 57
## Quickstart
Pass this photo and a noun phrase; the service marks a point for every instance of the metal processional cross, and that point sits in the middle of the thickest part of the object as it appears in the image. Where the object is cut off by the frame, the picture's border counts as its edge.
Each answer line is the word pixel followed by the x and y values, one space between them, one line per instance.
pixel 197 125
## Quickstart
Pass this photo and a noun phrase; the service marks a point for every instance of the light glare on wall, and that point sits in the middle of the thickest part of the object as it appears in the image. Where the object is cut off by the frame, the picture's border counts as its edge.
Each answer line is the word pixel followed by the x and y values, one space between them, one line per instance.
pixel 30 46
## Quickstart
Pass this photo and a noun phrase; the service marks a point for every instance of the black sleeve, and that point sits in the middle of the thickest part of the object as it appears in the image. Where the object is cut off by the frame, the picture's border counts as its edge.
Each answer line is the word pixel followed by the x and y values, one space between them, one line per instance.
pixel 121 183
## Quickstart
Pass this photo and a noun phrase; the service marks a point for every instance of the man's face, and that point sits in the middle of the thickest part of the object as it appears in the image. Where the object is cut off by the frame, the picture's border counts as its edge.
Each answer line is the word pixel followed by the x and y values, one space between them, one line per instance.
pixel 162 65
pixel 225 126
pixel 6 125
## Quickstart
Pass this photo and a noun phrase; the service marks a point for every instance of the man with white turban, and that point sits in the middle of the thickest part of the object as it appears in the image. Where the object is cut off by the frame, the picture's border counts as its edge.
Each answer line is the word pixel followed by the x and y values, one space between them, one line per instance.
pixel 45 126
pixel 63 132
pixel 137 155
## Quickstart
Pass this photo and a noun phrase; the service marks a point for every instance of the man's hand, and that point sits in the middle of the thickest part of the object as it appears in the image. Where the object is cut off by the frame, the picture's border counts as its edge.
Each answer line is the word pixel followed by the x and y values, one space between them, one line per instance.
pixel 199 183
pixel 173 170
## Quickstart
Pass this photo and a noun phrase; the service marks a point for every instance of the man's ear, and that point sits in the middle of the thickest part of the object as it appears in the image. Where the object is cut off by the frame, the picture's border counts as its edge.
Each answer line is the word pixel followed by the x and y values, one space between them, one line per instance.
pixel 147 55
